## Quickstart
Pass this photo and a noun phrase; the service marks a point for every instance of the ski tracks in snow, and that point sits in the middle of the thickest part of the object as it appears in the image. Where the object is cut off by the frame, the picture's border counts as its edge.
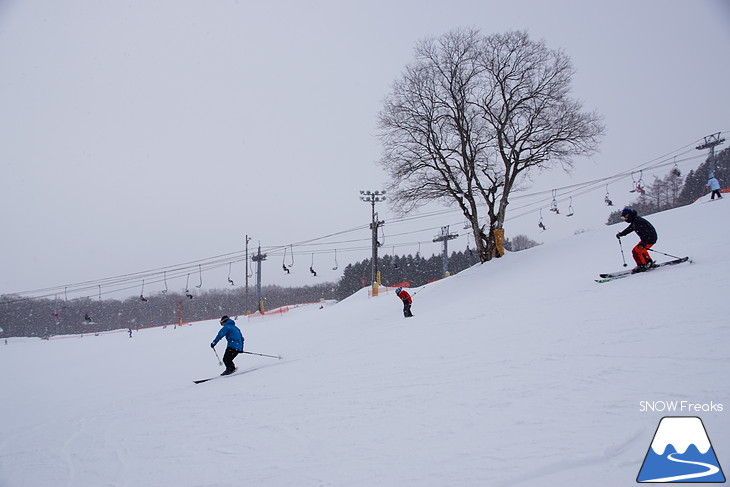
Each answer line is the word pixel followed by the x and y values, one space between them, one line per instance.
pixel 542 474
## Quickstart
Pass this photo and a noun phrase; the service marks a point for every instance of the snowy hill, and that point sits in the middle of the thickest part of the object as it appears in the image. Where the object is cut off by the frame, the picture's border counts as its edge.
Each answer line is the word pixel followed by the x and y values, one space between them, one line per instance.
pixel 522 371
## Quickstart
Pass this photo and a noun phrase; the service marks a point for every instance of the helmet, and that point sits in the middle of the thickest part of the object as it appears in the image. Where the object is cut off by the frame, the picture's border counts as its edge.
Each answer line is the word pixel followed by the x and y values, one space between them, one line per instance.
pixel 224 318
pixel 628 214
pixel 398 290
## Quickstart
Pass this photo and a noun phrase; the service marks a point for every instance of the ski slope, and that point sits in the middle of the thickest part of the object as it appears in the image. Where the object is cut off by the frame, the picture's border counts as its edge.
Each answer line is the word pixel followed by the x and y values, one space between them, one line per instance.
pixel 522 371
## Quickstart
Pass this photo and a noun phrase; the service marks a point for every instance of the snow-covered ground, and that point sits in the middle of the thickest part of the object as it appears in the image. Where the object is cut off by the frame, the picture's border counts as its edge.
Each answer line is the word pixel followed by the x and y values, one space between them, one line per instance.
pixel 522 371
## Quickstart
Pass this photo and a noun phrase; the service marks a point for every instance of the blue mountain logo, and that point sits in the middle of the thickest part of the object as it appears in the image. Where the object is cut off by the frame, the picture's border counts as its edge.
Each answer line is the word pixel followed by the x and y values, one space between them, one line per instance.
pixel 681 452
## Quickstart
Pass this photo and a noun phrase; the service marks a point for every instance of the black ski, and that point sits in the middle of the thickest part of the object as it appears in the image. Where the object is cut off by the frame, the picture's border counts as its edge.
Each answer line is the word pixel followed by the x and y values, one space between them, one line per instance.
pixel 237 372
pixel 621 274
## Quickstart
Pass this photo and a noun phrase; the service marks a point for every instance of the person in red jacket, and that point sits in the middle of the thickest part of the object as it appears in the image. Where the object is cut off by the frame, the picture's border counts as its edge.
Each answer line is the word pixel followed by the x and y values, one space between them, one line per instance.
pixel 407 301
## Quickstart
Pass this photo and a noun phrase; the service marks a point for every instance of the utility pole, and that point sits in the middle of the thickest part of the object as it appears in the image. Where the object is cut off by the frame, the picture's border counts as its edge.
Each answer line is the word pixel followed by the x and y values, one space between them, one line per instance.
pixel 246 270
pixel 710 142
pixel 445 237
pixel 373 197
pixel 258 258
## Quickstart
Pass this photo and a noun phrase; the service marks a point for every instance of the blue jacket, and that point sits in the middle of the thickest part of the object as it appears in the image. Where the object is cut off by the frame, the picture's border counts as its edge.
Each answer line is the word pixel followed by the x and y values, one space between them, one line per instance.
pixel 232 334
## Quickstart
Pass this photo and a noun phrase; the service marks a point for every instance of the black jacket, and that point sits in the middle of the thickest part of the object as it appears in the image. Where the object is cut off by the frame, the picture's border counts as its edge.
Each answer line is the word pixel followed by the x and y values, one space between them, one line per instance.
pixel 644 229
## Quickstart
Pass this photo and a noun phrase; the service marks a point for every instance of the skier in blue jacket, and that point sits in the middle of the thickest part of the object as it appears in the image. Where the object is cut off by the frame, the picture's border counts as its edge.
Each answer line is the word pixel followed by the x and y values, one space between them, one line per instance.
pixel 235 343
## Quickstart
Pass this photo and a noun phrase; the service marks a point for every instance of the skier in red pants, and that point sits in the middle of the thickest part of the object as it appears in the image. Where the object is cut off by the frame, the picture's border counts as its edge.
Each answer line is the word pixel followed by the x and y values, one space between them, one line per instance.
pixel 647 235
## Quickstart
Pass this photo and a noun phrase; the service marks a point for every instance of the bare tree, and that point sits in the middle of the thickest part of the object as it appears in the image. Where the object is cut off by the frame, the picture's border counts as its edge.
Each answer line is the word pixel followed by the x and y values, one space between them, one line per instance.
pixel 471 116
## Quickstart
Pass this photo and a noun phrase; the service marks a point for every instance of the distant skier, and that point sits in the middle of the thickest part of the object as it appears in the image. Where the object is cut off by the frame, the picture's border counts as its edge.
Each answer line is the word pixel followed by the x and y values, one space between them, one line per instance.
pixel 714 185
pixel 647 235
pixel 235 343
pixel 407 301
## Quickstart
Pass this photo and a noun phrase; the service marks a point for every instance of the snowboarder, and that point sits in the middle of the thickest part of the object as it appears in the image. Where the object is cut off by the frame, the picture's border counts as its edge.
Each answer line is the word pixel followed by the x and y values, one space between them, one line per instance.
pixel 407 301
pixel 714 185
pixel 235 343
pixel 647 235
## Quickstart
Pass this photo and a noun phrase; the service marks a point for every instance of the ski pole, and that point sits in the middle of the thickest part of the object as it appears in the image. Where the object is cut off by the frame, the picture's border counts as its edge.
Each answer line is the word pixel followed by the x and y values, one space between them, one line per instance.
pixel 262 354
pixel 220 362
pixel 622 252
pixel 668 255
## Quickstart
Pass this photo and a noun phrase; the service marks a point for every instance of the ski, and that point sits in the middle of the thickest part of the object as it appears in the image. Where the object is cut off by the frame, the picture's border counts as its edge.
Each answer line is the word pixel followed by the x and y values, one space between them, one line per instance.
pixel 621 274
pixel 237 372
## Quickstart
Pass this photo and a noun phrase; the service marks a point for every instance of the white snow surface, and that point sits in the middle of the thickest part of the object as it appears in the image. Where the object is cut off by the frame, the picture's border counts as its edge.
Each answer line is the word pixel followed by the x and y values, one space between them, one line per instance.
pixel 521 371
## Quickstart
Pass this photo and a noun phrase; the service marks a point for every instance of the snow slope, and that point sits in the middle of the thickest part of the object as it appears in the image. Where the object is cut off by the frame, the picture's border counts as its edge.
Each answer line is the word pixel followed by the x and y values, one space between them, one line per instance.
pixel 522 371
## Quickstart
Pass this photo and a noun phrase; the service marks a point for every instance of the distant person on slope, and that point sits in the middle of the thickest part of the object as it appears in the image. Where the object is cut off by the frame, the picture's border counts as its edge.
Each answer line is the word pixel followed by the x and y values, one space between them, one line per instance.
pixel 235 343
pixel 647 235
pixel 714 185
pixel 407 301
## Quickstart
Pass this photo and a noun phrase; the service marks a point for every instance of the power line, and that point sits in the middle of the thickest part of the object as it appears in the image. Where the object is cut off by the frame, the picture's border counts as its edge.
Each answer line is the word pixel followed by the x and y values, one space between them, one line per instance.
pixel 158 275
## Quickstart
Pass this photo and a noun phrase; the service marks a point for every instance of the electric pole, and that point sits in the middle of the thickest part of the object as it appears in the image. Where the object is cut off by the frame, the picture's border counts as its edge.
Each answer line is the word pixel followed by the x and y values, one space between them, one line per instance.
pixel 258 258
pixel 710 142
pixel 373 197
pixel 445 237
pixel 247 240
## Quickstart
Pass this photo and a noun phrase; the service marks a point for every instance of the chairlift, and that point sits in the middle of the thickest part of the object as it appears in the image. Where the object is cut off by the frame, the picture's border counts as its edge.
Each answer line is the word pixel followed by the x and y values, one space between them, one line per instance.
pixel 99 292
pixel 164 278
pixel 607 198
pixel 311 267
pixel 570 208
pixel 554 204
pixel 141 294
pixel 638 184
pixel 55 308
pixel 283 262
pixel 187 291
pixel 395 264
pixel 200 270
pixel 336 265
pixel 540 223
pixel 230 265
pixel 675 170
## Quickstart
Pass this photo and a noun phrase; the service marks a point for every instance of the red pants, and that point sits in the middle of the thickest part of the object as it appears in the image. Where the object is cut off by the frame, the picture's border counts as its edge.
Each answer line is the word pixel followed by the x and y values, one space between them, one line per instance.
pixel 641 253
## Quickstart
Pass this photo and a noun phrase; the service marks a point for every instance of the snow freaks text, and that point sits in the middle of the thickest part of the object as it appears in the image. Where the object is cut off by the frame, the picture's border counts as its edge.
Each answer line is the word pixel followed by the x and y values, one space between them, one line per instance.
pixel 679 407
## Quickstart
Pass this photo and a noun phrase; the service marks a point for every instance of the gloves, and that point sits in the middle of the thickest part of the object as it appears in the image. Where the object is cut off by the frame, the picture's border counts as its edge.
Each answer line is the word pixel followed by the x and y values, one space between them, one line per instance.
pixel 212 345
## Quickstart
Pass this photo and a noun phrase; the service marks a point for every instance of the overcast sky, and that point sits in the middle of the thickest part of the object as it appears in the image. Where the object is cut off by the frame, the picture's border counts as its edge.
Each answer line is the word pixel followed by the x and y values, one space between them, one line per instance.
pixel 138 135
